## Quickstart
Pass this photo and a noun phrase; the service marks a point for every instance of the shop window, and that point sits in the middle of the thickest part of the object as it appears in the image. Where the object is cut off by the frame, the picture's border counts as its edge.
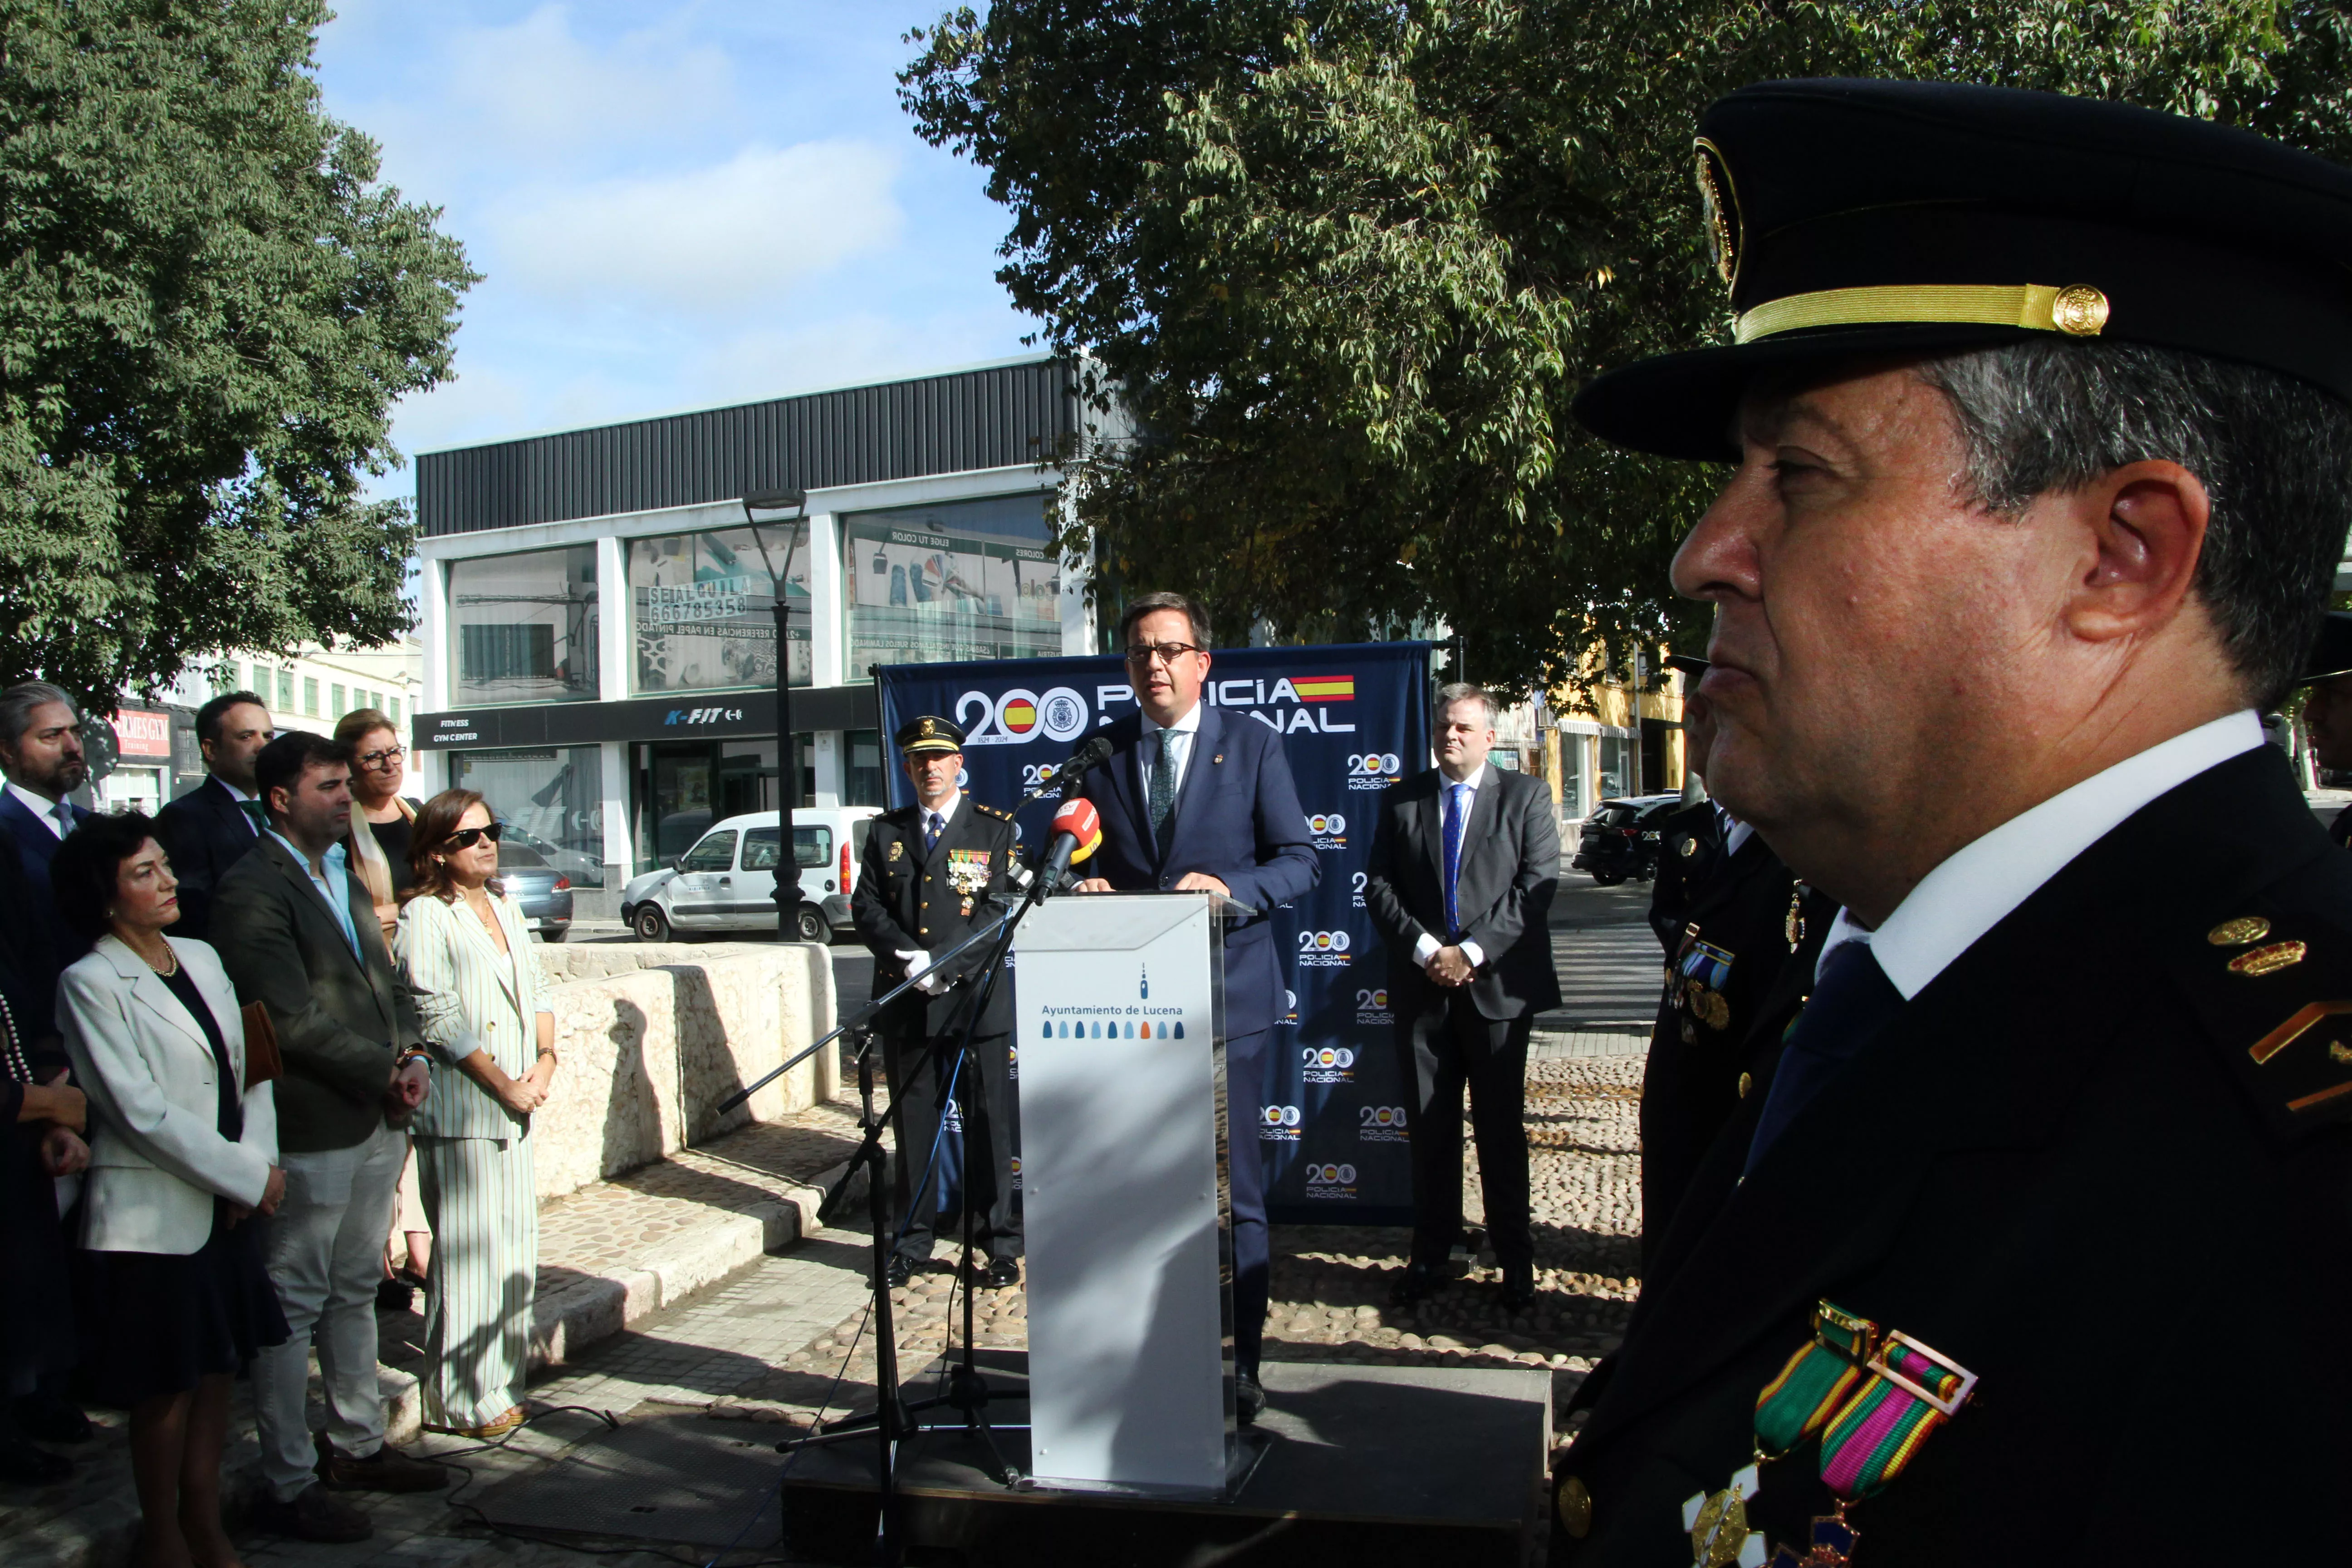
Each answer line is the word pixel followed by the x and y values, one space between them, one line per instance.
pixel 702 608
pixel 862 781
pixel 551 800
pixel 966 580
pixel 525 627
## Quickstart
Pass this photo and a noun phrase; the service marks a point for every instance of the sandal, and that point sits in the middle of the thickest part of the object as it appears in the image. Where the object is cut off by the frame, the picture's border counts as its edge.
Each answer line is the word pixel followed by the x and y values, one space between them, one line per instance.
pixel 489 1431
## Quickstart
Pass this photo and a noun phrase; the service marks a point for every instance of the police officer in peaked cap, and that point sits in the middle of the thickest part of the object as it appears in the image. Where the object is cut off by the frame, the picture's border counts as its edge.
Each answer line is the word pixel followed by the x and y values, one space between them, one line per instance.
pixel 2327 706
pixel 924 884
pixel 2030 1243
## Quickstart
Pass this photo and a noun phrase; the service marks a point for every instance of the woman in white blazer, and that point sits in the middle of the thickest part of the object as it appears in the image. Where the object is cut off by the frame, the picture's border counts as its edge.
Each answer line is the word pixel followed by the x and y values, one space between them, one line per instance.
pixel 484 1008
pixel 175 1298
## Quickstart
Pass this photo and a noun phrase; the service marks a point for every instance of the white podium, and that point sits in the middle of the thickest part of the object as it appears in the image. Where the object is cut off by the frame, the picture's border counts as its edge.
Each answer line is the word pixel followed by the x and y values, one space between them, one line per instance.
pixel 1126 1212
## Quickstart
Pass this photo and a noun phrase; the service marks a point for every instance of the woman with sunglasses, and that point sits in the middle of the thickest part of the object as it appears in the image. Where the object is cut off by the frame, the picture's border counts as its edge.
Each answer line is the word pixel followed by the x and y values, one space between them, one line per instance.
pixel 484 1007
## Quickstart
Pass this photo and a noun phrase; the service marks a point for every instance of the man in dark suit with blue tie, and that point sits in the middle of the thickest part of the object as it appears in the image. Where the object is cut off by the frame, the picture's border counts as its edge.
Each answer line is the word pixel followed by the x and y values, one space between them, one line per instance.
pixel 1466 860
pixel 40 751
pixel 1191 800
pixel 209 829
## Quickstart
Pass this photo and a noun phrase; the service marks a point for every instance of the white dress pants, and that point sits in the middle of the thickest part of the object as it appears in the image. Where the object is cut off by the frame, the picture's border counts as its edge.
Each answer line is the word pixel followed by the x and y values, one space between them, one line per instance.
pixel 325 1252
pixel 483 1204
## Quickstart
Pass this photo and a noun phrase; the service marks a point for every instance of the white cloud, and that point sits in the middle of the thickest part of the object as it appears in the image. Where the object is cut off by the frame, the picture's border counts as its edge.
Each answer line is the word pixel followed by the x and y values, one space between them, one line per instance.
pixel 703 240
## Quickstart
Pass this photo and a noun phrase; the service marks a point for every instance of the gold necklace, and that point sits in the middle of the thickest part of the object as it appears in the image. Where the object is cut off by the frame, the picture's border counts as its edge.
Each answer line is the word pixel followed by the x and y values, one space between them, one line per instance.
pixel 158 968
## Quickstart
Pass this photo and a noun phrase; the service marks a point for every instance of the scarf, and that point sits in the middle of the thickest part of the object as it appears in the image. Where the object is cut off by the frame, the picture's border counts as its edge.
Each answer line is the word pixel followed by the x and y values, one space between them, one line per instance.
pixel 373 864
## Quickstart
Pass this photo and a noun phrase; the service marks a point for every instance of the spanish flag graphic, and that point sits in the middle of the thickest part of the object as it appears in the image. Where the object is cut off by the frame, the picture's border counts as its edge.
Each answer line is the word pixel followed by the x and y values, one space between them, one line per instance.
pixel 1324 687
pixel 1020 716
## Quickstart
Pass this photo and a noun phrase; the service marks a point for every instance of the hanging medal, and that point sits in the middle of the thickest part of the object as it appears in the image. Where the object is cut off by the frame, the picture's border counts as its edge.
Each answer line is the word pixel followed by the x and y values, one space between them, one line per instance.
pixel 1872 1397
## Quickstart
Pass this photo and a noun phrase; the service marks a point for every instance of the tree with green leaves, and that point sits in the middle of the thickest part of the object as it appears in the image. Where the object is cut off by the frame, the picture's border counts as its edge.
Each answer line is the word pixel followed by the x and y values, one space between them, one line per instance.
pixel 207 306
pixel 1345 263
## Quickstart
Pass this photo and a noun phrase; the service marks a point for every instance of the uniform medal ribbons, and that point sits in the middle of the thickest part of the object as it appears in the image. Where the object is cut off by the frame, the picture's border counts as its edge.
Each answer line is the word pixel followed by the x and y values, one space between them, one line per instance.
pixel 968 874
pixel 1873 1398
pixel 1705 967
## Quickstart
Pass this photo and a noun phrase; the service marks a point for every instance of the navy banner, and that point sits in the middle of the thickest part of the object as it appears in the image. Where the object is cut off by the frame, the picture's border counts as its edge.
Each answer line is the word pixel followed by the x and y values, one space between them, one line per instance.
pixel 1354 719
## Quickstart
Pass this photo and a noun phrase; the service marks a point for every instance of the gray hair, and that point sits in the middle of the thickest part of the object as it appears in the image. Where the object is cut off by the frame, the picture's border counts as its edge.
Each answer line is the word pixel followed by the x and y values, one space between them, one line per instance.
pixel 1468 691
pixel 2275 455
pixel 18 703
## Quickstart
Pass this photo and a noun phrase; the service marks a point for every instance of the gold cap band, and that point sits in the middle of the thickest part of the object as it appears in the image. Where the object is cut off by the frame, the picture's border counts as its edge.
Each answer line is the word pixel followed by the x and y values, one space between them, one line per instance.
pixel 2077 310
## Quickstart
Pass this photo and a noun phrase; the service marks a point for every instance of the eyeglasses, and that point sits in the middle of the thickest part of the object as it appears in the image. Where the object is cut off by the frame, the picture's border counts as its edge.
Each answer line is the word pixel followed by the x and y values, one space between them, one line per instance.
pixel 466 837
pixel 379 760
pixel 1168 653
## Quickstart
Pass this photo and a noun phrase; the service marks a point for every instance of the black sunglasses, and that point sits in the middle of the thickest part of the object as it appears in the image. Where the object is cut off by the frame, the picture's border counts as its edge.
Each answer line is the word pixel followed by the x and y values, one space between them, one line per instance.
pixel 466 837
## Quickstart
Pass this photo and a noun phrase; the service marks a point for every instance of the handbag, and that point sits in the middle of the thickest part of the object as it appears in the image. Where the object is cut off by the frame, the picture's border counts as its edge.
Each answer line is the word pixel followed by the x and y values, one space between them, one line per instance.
pixel 262 1062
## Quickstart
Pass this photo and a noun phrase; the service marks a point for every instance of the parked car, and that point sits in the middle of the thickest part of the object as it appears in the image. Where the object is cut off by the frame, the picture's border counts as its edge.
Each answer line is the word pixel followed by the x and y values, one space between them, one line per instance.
pixel 1620 840
pixel 727 881
pixel 545 893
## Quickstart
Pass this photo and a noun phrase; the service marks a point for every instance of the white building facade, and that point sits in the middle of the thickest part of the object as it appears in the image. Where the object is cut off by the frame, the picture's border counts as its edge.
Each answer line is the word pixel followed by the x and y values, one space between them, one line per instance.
pixel 597 608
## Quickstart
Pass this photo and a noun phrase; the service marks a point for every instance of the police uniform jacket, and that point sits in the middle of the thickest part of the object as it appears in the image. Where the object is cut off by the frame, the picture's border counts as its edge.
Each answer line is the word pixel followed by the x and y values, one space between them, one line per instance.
pixel 908 900
pixel 2101 1160
pixel 1690 856
pixel 1743 924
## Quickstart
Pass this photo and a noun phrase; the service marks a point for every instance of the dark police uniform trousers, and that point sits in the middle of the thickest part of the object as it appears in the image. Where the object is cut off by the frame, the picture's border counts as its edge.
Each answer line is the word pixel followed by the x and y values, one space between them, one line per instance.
pixel 2104 1162
pixel 910 898
pixel 1732 922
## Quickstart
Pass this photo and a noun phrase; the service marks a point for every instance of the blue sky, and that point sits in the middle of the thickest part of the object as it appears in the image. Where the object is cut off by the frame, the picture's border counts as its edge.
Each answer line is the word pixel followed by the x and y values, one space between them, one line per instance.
pixel 676 205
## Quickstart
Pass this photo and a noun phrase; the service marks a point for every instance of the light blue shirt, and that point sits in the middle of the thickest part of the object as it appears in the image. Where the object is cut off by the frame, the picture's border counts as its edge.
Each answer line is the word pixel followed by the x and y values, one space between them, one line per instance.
pixel 338 876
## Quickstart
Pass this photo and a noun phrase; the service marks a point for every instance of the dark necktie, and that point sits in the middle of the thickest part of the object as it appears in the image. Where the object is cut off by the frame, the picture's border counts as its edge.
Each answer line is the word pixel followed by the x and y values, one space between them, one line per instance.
pixel 931 829
pixel 1164 793
pixel 1456 815
pixel 1851 1002
pixel 252 809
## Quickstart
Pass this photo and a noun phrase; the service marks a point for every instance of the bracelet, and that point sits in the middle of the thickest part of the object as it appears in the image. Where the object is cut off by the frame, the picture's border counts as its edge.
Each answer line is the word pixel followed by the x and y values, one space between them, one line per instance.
pixel 548 1052
pixel 404 1058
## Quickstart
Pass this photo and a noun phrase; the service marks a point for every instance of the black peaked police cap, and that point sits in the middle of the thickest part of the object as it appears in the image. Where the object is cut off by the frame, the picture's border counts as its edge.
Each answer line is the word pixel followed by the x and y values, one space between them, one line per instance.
pixel 1856 218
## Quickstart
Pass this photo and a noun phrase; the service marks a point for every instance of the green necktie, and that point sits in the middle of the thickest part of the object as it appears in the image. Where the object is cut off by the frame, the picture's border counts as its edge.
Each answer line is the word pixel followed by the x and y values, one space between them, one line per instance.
pixel 254 813
pixel 1164 792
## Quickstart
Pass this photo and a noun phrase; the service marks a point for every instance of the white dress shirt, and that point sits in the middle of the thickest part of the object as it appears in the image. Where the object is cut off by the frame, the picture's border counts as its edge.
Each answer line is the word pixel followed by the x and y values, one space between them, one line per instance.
pixel 46 810
pixel 1428 946
pixel 1976 888
pixel 1189 727
pixel 918 961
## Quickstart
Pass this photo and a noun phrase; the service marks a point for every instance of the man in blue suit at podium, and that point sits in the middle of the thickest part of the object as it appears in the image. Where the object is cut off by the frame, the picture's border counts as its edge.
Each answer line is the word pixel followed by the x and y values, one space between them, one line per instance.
pixel 1193 801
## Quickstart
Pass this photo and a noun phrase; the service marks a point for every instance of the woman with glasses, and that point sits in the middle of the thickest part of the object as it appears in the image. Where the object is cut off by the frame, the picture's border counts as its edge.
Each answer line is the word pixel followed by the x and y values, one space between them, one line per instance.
pixel 484 1007
pixel 382 818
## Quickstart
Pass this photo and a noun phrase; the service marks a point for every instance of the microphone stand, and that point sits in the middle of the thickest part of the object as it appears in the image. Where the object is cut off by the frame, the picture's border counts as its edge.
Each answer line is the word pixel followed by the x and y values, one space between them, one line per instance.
pixel 892 1417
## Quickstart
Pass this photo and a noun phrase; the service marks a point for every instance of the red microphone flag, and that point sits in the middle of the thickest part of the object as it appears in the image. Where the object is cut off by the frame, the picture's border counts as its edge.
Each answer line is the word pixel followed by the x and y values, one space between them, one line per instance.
pixel 1081 821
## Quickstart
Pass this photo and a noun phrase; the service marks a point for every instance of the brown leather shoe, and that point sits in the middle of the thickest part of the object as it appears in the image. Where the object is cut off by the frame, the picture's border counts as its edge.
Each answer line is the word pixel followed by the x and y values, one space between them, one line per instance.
pixel 313 1515
pixel 385 1470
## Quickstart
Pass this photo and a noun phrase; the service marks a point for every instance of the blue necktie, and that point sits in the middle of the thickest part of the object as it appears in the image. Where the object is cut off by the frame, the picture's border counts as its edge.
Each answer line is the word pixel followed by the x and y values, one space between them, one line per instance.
pixel 1851 1002
pixel 932 826
pixel 1456 812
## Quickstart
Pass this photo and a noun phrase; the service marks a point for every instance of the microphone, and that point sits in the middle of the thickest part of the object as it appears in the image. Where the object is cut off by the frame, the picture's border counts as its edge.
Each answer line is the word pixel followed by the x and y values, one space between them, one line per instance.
pixel 1077 833
pixel 1091 755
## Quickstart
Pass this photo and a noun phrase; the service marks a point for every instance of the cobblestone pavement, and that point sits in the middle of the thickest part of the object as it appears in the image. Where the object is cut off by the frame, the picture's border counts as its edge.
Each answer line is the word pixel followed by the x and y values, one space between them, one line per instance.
pixel 788 1337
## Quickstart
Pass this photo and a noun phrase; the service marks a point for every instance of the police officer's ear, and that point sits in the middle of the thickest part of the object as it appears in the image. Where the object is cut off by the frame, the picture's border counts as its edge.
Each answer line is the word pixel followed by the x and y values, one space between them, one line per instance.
pixel 2131 540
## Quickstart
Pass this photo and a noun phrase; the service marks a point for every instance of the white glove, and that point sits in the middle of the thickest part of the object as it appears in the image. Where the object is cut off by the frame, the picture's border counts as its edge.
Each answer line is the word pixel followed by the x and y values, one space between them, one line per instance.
pixel 919 970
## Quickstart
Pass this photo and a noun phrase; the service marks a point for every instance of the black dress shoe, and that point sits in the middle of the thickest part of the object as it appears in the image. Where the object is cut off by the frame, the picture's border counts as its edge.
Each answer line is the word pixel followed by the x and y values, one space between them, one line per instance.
pixel 1249 1399
pixel 1419 1283
pixel 315 1514
pixel 51 1419
pixel 901 1272
pixel 26 1466
pixel 1518 1286
pixel 1002 1272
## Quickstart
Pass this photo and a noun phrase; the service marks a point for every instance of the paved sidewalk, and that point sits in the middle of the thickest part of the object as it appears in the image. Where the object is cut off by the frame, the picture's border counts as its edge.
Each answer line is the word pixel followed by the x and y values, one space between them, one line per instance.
pixel 721 1296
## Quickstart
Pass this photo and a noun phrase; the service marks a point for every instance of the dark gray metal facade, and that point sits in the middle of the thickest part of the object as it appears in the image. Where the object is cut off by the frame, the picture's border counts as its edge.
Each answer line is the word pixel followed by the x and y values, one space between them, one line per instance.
pixel 992 418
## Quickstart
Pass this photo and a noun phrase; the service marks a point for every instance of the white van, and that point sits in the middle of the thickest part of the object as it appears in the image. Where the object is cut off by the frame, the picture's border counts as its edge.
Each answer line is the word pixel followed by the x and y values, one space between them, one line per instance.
pixel 727 881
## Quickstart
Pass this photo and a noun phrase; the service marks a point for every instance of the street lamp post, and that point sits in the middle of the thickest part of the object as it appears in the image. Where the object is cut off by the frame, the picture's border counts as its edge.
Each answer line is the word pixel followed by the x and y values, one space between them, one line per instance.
pixel 788 860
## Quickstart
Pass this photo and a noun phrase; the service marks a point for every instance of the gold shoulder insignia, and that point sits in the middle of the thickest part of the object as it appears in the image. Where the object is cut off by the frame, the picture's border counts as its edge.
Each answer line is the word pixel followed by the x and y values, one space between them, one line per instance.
pixel 2277 1004
pixel 997 812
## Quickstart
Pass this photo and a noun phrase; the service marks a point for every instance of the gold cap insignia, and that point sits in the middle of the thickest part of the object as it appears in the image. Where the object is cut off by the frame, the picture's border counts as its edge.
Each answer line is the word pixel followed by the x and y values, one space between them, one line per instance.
pixel 2079 311
pixel 2239 932
pixel 2269 960
pixel 1719 209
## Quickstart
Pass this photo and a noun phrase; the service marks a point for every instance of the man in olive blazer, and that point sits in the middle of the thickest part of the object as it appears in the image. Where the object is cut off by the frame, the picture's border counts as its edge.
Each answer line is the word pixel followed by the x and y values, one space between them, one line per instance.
pixel 297 933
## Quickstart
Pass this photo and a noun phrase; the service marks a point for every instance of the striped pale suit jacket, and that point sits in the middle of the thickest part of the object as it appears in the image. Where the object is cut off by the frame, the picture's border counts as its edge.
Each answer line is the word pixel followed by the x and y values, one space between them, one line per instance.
pixel 470 997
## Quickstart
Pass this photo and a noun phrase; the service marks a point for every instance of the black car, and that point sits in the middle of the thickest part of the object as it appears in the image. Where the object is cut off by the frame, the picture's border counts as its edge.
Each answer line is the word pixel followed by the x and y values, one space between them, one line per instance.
pixel 1620 840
